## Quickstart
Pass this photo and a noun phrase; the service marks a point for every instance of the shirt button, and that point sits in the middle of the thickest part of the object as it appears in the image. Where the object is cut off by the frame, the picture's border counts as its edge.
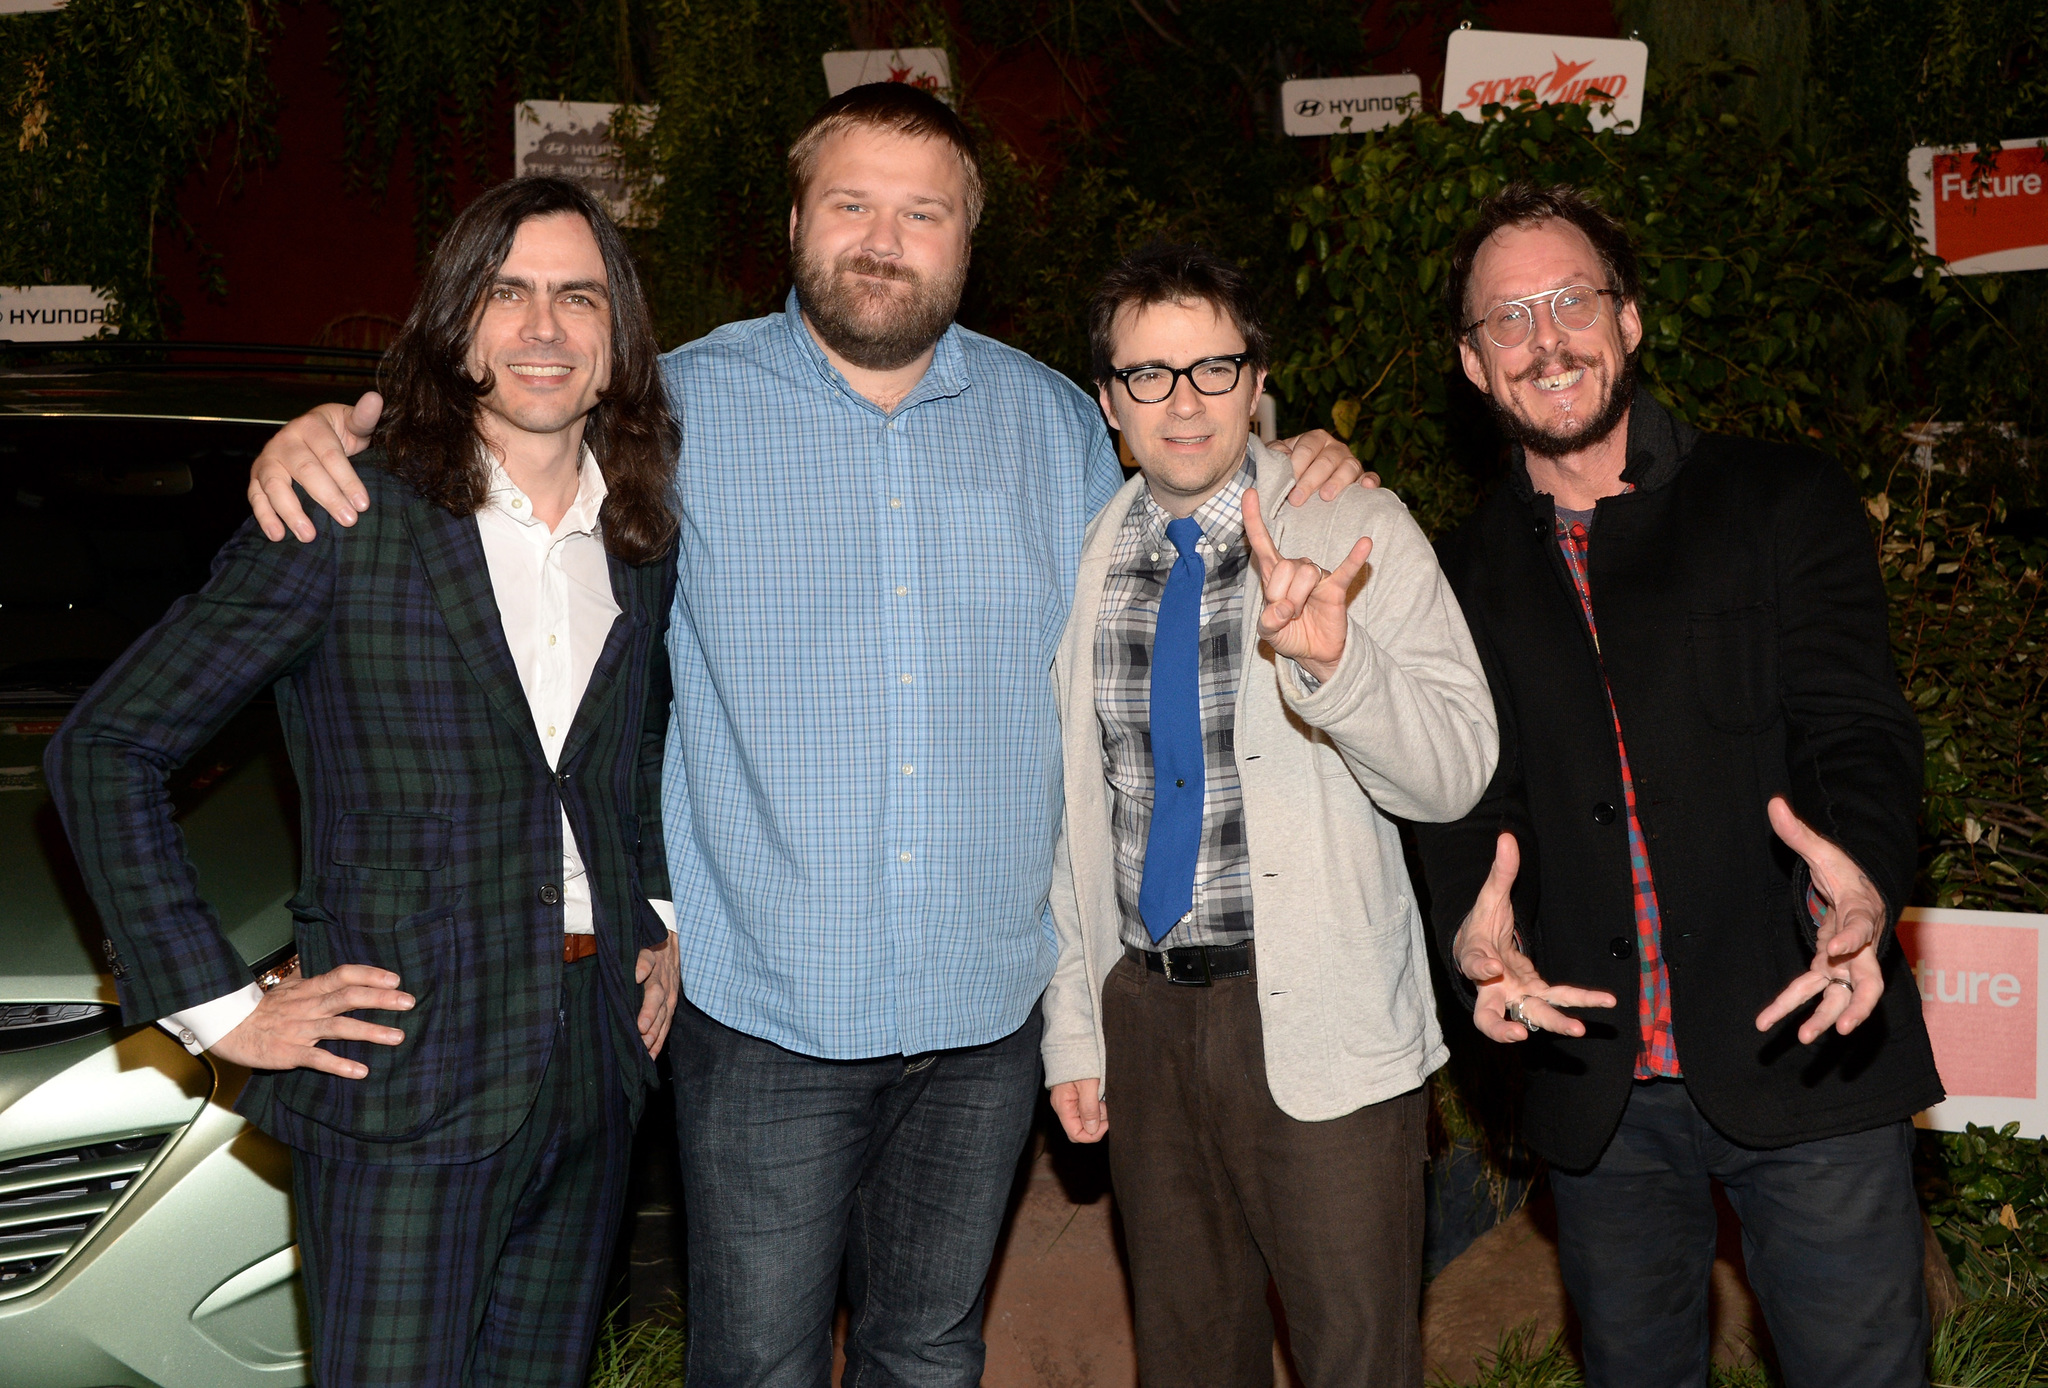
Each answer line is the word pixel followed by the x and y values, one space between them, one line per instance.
pixel 185 1035
pixel 909 770
pixel 895 503
pixel 902 591
pixel 551 640
pixel 1155 554
pixel 902 857
pixel 551 730
pixel 1603 813
pixel 1621 947
pixel 1180 783
pixel 908 678
pixel 549 896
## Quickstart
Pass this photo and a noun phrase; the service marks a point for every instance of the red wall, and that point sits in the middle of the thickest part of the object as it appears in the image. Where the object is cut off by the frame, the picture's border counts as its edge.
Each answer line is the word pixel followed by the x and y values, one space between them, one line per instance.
pixel 300 251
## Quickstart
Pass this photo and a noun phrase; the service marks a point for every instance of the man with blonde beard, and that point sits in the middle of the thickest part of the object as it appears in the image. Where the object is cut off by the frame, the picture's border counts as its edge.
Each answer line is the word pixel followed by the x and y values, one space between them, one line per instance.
pixel 881 517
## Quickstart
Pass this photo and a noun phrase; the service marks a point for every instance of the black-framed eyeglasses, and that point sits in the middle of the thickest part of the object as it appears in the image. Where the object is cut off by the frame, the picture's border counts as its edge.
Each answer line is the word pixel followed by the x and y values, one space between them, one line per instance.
pixel 1575 308
pixel 1149 385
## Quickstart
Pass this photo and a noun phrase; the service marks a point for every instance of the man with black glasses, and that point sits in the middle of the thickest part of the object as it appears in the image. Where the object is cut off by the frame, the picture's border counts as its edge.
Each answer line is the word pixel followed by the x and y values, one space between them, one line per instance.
pixel 1704 810
pixel 1247 692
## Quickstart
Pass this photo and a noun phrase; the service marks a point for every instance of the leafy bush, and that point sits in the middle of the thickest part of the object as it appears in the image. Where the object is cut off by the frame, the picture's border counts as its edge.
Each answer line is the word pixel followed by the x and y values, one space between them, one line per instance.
pixel 1992 1218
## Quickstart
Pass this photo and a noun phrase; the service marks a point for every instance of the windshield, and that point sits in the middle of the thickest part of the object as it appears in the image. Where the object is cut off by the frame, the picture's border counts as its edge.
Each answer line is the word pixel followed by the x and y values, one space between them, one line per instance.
pixel 104 522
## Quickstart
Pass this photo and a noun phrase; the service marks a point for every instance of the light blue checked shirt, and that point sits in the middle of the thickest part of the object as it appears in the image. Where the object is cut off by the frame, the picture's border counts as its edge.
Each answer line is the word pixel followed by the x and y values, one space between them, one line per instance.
pixel 862 780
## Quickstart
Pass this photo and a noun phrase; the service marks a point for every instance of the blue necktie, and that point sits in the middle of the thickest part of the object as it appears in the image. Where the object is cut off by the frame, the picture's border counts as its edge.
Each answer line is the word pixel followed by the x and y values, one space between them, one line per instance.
pixel 1168 890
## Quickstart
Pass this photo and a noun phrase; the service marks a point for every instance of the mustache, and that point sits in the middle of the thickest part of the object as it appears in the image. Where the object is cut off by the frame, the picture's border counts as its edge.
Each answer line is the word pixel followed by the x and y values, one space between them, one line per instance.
pixel 864 263
pixel 1565 360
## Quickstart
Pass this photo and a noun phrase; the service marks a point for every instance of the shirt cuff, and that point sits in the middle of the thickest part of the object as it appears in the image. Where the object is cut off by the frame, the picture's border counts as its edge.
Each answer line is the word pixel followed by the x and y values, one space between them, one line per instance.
pixel 198 1028
pixel 667 911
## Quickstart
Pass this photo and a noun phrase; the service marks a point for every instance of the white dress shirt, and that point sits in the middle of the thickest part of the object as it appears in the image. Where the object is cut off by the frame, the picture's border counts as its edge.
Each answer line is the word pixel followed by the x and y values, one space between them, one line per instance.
pixel 554 592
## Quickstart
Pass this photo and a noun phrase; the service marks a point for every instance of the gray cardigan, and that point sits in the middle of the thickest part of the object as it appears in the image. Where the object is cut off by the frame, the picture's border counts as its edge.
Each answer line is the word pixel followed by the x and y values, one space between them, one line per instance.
pixel 1404 727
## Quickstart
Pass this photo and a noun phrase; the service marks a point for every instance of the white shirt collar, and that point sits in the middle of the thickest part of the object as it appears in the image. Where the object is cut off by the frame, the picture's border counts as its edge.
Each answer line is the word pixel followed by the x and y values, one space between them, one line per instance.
pixel 579 519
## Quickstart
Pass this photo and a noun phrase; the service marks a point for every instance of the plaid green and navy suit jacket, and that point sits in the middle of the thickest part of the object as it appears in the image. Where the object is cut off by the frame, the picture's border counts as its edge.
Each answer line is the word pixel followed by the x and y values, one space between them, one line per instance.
pixel 431 824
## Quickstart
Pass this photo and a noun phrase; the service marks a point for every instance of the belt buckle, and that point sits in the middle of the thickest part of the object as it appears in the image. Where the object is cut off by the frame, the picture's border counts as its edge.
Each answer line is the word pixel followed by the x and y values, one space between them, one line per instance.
pixel 1190 981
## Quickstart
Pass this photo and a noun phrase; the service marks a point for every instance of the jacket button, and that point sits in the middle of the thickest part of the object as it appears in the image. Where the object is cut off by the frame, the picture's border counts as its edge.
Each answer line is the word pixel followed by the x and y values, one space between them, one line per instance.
pixel 1603 813
pixel 1621 947
pixel 1541 529
pixel 549 896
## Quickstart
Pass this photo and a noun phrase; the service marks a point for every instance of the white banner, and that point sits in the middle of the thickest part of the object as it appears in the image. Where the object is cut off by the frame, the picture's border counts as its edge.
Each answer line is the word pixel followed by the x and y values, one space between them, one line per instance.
pixel 29 6
pixel 927 69
pixel 54 313
pixel 573 140
pixel 1482 66
pixel 1334 105
pixel 1980 975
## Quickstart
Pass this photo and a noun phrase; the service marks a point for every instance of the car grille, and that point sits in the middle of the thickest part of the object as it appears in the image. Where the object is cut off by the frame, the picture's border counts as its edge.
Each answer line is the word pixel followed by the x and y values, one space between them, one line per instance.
pixel 49 1202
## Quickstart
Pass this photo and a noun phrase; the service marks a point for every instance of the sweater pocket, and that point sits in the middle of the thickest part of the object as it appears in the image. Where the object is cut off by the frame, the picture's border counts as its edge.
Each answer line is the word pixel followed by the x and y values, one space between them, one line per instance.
pixel 1735 667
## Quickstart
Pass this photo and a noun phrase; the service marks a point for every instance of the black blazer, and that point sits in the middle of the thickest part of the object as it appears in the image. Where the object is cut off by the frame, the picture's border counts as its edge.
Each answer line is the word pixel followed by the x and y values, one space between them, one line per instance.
pixel 1743 631
pixel 431 823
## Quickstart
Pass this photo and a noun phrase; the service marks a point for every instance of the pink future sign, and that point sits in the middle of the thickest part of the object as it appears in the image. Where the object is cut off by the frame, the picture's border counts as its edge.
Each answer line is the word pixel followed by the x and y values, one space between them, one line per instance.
pixel 1980 983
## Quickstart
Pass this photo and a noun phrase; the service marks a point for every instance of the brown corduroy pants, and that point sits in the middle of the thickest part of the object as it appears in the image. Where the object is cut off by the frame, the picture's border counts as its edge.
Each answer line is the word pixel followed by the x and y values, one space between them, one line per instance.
pixel 1218 1190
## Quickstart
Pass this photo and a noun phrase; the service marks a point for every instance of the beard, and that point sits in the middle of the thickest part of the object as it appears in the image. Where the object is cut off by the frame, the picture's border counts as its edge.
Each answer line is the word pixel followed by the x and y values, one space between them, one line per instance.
pixel 1552 442
pixel 873 325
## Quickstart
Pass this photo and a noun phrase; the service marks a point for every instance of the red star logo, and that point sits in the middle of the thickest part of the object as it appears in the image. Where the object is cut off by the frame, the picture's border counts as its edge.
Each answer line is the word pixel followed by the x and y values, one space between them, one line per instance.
pixel 1565 73
pixel 902 74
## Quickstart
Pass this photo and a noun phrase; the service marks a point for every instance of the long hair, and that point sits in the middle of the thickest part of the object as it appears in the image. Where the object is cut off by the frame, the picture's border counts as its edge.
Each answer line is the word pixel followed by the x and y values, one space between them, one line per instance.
pixel 429 430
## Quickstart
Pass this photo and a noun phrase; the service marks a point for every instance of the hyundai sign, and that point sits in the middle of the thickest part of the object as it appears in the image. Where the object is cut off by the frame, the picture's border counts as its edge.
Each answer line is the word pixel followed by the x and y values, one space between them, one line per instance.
pixel 1334 105
pixel 54 313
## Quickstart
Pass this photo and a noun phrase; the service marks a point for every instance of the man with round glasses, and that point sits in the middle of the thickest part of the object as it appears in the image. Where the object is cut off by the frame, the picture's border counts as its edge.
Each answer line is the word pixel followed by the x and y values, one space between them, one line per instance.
pixel 1244 703
pixel 1703 818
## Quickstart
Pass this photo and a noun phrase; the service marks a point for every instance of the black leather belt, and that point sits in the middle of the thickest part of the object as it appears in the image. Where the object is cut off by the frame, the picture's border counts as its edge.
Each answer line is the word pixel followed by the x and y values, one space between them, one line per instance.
pixel 1197 965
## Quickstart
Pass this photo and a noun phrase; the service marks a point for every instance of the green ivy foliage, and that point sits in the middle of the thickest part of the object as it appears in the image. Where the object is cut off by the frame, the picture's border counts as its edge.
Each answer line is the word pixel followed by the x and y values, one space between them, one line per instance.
pixel 1783 298
pixel 109 106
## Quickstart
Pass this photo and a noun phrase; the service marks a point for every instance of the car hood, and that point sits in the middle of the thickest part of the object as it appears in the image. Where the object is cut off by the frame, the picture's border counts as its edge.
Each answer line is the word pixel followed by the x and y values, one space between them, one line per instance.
pixel 237 807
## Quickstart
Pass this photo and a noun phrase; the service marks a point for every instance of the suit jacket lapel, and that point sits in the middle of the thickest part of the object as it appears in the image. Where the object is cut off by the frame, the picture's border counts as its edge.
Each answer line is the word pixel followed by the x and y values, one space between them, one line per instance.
pixel 452 552
pixel 597 695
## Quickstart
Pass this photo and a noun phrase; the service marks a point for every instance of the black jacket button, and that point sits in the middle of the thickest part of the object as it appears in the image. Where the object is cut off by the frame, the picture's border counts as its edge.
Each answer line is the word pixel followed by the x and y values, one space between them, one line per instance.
pixel 1603 813
pixel 549 896
pixel 1621 947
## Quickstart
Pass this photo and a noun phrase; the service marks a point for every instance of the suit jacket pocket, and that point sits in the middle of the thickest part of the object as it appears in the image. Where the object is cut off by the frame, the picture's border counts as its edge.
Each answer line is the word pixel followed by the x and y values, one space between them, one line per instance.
pixel 410 1084
pixel 1735 667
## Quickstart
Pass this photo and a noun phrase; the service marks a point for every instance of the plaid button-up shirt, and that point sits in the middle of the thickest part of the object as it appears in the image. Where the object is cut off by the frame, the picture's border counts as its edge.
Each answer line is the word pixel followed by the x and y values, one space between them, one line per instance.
pixel 1658 1056
pixel 1222 912
pixel 862 781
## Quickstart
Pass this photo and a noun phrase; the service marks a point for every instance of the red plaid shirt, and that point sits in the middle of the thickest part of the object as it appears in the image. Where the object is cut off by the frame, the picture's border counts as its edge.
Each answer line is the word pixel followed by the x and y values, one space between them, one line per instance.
pixel 1658 1058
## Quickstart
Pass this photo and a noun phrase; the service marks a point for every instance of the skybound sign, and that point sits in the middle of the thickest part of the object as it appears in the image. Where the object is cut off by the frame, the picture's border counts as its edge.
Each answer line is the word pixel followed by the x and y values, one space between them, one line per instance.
pixel 1482 68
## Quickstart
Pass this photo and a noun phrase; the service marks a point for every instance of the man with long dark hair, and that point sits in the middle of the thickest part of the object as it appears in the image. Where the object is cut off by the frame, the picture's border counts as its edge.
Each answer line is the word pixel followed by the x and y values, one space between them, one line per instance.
pixel 470 685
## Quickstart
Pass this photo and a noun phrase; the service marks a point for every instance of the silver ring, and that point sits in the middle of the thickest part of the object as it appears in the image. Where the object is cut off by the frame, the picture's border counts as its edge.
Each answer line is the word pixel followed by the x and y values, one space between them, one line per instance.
pixel 1520 1013
pixel 1841 983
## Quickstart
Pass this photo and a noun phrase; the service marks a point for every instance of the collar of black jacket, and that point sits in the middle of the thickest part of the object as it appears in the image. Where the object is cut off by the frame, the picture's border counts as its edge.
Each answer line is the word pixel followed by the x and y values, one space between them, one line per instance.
pixel 1658 445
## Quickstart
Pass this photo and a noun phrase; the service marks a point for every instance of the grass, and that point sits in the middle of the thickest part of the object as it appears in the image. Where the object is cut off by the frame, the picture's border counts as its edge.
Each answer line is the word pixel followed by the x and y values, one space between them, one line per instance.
pixel 646 1355
pixel 1998 1342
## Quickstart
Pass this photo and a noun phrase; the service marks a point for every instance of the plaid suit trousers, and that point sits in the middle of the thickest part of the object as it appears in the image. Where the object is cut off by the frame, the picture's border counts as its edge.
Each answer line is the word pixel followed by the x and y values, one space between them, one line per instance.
pixel 484 1272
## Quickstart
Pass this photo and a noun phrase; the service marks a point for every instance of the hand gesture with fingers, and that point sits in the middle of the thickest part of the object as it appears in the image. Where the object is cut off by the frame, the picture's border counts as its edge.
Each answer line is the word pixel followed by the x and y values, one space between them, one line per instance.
pixel 1306 614
pixel 1514 1000
pixel 314 451
pixel 285 1030
pixel 1845 974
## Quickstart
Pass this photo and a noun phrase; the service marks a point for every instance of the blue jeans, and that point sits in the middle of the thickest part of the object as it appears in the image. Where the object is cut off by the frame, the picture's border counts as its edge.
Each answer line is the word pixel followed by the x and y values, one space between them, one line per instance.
pixel 1831 1235
pixel 899 1169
